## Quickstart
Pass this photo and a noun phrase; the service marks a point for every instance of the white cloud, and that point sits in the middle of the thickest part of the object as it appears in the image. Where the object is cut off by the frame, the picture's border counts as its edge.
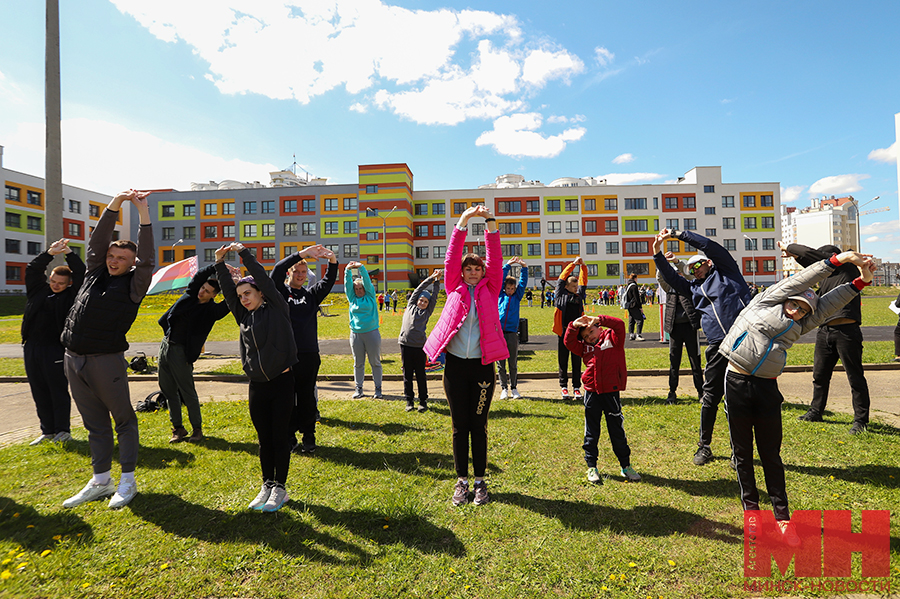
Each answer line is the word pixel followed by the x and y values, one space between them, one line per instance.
pixel 603 56
pixel 837 184
pixel 518 135
pixel 623 159
pixel 726 100
pixel 891 226
pixel 107 157
pixel 791 194
pixel 887 155
pixel 873 238
pixel 578 118
pixel 360 108
pixel 627 178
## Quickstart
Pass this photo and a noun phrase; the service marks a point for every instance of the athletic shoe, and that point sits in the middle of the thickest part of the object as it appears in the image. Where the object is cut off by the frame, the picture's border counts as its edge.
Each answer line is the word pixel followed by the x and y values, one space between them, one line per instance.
pixel 410 406
pixel 577 393
pixel 124 494
pixel 638 338
pixel 810 416
pixel 703 455
pixel 196 436
pixel 179 434
pixel 897 359
pixel 671 399
pixel 423 407
pixel 515 393
pixel 631 475
pixel 857 428
pixel 565 393
pixel 277 498
pixel 91 492
pixel 788 533
pixel 378 394
pixel 593 476
pixel 358 393
pixel 461 493
pixel 308 448
pixel 263 497
pixel 481 494
pixel 631 337
pixel 41 439
pixel 62 437
pixel 504 394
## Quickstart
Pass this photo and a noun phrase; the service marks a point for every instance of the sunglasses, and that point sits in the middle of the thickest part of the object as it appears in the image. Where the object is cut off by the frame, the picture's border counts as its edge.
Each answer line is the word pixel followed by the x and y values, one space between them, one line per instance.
pixel 695 266
pixel 793 306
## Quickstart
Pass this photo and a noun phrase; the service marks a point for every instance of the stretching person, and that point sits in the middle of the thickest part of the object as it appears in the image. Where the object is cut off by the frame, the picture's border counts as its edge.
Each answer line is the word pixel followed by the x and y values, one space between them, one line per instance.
pixel 897 333
pixel 365 337
pixel 570 294
pixel 755 348
pixel 681 321
pixel 719 293
pixel 49 301
pixel 419 308
pixel 118 276
pixel 268 352
pixel 634 300
pixel 304 304
pixel 186 325
pixel 509 303
pixel 469 331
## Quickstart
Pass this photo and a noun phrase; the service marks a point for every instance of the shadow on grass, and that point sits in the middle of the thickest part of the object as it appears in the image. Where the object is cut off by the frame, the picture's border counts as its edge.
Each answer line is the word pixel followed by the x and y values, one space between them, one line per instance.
pixel 388 428
pixel 721 487
pixel 419 462
pixel 149 456
pixel 16 517
pixel 865 474
pixel 499 412
pixel 220 444
pixel 648 521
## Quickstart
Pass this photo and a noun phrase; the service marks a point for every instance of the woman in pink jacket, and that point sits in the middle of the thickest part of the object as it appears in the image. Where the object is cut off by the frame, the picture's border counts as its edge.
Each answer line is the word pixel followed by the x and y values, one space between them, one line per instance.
pixel 469 331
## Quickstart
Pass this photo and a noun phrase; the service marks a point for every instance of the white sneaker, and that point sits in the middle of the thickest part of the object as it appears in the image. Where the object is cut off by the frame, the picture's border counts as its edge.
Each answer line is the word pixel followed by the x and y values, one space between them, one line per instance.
pixel 504 393
pixel 516 394
pixel 565 393
pixel 124 494
pixel 62 437
pixel 91 492
pixel 277 498
pixel 41 439
pixel 638 338
pixel 263 497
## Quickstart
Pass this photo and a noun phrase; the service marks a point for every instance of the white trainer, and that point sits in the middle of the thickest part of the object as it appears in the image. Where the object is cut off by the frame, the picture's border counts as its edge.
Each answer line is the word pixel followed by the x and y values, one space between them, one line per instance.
pixel 516 394
pixel 263 497
pixel 62 437
pixel 124 494
pixel 41 439
pixel 504 393
pixel 278 498
pixel 91 492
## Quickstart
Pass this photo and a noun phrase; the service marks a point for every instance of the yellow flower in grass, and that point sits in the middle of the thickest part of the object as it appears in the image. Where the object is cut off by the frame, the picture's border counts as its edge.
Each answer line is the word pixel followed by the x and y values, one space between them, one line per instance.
pixel 621 577
pixel 632 565
pixel 6 575
pixel 21 555
pixel 164 566
pixel 612 576
pixel 6 561
pixel 45 552
pixel 604 588
pixel 85 585
pixel 385 527
pixel 57 537
pixel 671 563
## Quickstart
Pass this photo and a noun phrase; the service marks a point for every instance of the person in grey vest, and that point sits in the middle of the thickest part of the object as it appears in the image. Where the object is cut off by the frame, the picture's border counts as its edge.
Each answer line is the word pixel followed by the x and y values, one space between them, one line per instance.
pixel 419 308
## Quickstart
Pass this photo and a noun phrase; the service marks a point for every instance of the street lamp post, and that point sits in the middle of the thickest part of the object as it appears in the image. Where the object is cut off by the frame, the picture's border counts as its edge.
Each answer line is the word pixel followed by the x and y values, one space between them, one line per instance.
pixel 752 257
pixel 173 249
pixel 383 239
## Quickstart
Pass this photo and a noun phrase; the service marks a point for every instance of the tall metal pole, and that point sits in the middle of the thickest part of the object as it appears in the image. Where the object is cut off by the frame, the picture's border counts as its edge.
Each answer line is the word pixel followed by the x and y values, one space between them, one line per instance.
pixel 53 200
pixel 384 252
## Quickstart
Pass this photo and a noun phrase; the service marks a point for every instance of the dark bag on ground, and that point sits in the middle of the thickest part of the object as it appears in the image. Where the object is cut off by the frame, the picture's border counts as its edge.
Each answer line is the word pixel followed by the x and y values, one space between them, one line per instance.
pixel 151 403
pixel 139 364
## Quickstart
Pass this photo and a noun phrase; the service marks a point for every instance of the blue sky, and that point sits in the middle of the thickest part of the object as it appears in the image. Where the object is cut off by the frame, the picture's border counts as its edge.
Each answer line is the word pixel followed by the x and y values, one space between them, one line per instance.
pixel 159 94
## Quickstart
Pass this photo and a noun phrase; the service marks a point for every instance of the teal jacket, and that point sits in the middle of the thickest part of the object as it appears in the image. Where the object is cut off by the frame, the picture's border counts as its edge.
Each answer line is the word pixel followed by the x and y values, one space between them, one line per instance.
pixel 363 310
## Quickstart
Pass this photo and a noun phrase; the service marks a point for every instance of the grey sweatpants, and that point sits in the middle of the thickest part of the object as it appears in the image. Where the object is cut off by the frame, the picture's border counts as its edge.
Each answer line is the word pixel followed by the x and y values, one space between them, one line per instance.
pixel 512 344
pixel 99 385
pixel 176 381
pixel 362 345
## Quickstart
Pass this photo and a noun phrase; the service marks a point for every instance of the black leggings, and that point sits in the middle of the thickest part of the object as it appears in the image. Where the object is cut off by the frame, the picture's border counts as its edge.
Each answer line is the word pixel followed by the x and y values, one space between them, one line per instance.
pixel 303 416
pixel 271 405
pixel 562 354
pixel 469 386
pixel 412 360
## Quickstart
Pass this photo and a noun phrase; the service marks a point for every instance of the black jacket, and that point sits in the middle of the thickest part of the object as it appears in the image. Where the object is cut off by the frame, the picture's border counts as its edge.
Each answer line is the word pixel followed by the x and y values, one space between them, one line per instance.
pixel 846 273
pixel 188 322
pixel 37 289
pixel 673 300
pixel 304 303
pixel 633 296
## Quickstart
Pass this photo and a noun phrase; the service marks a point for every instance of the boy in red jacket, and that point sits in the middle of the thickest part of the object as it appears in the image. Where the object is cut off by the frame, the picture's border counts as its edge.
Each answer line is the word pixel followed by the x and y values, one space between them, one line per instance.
pixel 600 342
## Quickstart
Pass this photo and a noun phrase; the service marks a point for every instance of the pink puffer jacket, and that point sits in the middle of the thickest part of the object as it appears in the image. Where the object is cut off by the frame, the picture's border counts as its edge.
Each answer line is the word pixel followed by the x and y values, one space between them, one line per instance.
pixel 493 346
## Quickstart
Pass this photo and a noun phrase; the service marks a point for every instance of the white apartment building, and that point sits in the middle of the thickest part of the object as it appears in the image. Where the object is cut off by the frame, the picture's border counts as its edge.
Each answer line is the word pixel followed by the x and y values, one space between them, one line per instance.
pixel 827 221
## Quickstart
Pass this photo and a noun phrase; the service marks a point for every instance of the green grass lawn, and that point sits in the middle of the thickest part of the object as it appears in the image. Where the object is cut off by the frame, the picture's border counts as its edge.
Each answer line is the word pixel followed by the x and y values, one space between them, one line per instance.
pixel 370 514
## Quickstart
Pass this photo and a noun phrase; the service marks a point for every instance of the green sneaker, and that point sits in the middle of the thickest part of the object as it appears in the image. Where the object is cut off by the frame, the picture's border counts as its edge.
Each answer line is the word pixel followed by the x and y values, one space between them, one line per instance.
pixel 593 476
pixel 630 475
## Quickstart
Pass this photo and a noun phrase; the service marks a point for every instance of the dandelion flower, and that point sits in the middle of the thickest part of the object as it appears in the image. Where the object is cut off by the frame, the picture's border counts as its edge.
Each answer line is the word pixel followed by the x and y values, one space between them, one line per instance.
pixel 45 552
pixel 621 577
pixel 604 588
pixel 6 575
pixel 164 566
pixel 57 537
pixel 632 565
pixel 612 576
pixel 6 561
pixel 16 515
pixel 21 555
pixel 85 585
pixel 671 563
pixel 385 527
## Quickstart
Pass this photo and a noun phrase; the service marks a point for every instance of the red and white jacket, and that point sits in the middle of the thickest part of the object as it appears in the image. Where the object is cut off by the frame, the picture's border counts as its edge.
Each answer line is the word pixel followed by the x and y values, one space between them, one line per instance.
pixel 605 370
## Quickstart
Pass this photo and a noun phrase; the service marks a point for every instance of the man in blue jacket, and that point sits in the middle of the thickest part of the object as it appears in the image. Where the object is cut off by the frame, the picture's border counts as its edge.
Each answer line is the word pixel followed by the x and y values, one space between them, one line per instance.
pixel 719 293
pixel 509 303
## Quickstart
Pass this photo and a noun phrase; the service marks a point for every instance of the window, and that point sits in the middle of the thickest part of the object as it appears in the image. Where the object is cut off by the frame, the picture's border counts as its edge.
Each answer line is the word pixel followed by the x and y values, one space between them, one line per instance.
pixel 350 227
pixel 309 205
pixel 331 227
pixel 438 209
pixel 422 252
pixel 750 265
pixel 672 245
pixel 533 228
pixel 768 243
pixel 13 195
pixel 768 266
pixel 728 222
pixel 351 250
pixel 749 222
pixel 13 246
pixel 189 210
pixel 610 203
pixel 641 268
pixel 13 220
pixel 571 205
pixel 290 229
pixel 671 223
pixel 331 205
pixel 709 210
pixel 34 197
pixel 370 189
pixel 612 270
pixel 689 203
pixel 636 247
pixel 249 230
pixel 209 255
pixel 768 222
pixel 421 230
pixel 439 251
pixel 13 273
pixel 290 206
pixel 590 204
pixel 612 247
pixel 34 248
pixel 511 249
pixel 441 230
pixel 480 250
pixel 75 206
pixel 730 244
pixel 168 211
pixel 268 230
pixel 249 207
pixel 534 249
pixel 709 189
pixel 228 231
pixel 421 209
pixel 727 201
pixel 710 232
pixel 267 207
pixel 372 259
pixel 590 226
pixel 571 226
pixel 592 270
pixel 33 223
pixel 690 224
pixel 310 229
pixel 228 208
pixel 168 256
pixel 532 206
pixel 168 233
pixel 188 252
pixel 509 206
pixel 74 230
pixel 371 235
pixel 611 226
pixel 554 249
pixel 749 201
pixel 459 207
pixel 767 201
pixel 635 225
pixel 350 204
pixel 670 203
pixel 573 249
pixel 510 228
pixel 210 209
pixel 590 247
pixel 268 252
pixel 553 206
pixel 189 232
pixel 210 231
pixel 422 273
pixel 750 245
pixel 635 203
pixel 554 226
pixel 554 270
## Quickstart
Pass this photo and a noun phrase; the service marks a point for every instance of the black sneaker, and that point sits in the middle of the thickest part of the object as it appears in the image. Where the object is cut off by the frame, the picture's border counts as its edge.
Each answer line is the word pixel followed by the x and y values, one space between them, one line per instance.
pixel 481 494
pixel 461 493
pixel 423 407
pixel 308 448
pixel 703 456
pixel 672 399
pixel 857 428
pixel 410 406
pixel 810 416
